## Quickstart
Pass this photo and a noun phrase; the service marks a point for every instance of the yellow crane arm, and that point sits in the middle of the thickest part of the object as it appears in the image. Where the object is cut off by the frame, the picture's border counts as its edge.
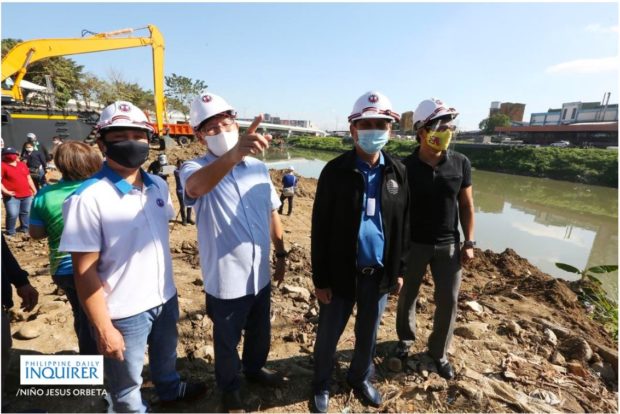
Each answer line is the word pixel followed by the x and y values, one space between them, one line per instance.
pixel 23 54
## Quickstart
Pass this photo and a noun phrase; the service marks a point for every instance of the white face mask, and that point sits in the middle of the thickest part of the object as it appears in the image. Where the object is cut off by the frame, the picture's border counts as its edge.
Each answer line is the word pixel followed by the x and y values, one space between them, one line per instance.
pixel 223 142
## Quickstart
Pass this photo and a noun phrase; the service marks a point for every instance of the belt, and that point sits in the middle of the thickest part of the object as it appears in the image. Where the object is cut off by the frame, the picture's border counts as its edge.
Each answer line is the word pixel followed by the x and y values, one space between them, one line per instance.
pixel 369 270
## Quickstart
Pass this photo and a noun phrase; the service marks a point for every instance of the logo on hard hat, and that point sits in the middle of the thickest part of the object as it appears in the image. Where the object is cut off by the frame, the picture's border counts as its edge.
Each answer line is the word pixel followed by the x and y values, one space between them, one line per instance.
pixel 373 98
pixel 206 98
pixel 124 108
pixel 438 102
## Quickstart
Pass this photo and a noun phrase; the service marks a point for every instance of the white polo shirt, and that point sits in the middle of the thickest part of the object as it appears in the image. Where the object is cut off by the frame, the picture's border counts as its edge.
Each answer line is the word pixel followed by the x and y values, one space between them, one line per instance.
pixel 129 228
pixel 234 222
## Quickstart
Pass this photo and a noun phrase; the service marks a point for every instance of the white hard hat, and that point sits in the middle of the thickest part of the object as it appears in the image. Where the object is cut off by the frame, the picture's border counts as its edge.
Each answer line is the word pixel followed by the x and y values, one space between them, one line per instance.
pixel 31 136
pixel 207 105
pixel 123 114
pixel 430 109
pixel 291 168
pixel 373 104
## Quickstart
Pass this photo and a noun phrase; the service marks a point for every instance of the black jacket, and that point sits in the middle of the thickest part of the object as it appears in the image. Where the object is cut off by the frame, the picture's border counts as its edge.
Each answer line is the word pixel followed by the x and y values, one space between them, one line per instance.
pixel 336 218
pixel 12 273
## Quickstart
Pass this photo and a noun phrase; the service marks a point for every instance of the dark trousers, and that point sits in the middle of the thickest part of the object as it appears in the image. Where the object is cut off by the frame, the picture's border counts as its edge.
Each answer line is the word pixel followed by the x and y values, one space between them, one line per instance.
pixel 81 324
pixel 290 204
pixel 333 319
pixel 186 212
pixel 230 317
pixel 445 262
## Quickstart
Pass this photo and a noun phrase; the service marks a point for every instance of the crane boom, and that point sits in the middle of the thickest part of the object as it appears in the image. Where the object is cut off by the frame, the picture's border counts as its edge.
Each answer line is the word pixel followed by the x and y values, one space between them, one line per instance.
pixel 23 54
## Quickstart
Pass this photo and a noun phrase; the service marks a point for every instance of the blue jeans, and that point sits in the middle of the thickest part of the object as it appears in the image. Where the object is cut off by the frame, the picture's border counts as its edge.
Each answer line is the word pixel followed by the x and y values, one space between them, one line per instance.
pixel 230 316
pixel 158 328
pixel 17 207
pixel 333 319
pixel 81 324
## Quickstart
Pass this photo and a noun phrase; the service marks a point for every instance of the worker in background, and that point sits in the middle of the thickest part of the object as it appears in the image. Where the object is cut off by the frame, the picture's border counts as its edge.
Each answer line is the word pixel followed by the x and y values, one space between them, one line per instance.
pixel 76 161
pixel 17 191
pixel 289 185
pixel 186 212
pixel 359 243
pixel 37 164
pixel 157 166
pixel 32 139
pixel 236 215
pixel 440 183
pixel 116 229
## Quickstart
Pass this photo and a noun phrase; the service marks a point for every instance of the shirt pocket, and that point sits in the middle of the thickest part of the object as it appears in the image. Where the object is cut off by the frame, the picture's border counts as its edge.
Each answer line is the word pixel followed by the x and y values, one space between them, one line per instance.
pixel 449 184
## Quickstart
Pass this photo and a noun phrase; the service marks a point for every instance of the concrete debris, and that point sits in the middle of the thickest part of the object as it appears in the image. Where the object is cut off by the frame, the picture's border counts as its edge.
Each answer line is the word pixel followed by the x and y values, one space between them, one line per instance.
pixel 472 330
pixel 550 337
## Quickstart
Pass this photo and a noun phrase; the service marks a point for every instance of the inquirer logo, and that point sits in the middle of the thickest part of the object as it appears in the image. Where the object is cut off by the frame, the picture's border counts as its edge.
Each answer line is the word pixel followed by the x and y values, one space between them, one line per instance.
pixel 61 369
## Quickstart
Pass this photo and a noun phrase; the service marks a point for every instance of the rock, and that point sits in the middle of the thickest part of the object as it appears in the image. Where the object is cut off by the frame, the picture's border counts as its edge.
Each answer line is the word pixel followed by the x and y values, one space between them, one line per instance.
pixel 198 282
pixel 311 313
pixel 557 359
pixel 197 317
pixel 547 396
pixel 550 337
pixel 509 375
pixel 474 306
pixel 435 383
pixel 395 364
pixel 49 307
pixel 605 371
pixel 575 347
pixel 297 292
pixel 469 390
pixel 576 368
pixel 473 330
pixel 471 374
pixel 559 369
pixel 513 328
pixel 29 331
pixel 207 352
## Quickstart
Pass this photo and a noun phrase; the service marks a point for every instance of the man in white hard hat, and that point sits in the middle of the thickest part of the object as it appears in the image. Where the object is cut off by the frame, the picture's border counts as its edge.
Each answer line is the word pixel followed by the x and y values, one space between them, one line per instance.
pixel 236 216
pixel 359 243
pixel 440 184
pixel 116 229
pixel 289 184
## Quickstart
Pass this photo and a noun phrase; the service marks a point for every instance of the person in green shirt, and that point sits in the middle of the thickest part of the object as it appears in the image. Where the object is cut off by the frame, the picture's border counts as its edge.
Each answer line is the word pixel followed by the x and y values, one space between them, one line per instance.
pixel 76 161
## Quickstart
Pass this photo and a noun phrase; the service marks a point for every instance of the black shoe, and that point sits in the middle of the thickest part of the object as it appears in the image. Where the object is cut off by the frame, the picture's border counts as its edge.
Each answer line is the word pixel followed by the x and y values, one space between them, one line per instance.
pixel 188 391
pixel 321 401
pixel 190 221
pixel 231 402
pixel 445 369
pixel 266 377
pixel 369 393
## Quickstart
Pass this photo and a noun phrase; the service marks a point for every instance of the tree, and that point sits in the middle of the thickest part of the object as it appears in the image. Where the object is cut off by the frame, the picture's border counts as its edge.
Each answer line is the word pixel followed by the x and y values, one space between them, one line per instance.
pixel 180 90
pixel 488 125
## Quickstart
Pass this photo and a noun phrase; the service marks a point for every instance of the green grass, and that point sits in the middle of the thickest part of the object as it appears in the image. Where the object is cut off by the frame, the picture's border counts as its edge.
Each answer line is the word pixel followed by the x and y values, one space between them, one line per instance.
pixel 587 166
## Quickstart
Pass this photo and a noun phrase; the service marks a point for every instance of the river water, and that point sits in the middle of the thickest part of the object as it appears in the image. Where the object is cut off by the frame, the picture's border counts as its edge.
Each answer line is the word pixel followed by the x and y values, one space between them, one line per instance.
pixel 545 221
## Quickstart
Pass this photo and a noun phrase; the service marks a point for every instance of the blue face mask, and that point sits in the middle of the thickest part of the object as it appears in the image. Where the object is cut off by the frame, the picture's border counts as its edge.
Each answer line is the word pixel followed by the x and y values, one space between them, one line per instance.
pixel 372 140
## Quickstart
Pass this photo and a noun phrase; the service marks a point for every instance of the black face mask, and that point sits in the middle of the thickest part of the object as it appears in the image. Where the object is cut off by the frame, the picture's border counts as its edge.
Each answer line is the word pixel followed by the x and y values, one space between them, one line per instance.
pixel 130 153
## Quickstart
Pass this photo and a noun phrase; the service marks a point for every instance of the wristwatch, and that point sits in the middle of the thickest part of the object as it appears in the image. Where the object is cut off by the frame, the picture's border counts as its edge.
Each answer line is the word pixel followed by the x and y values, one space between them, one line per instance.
pixel 281 255
pixel 469 243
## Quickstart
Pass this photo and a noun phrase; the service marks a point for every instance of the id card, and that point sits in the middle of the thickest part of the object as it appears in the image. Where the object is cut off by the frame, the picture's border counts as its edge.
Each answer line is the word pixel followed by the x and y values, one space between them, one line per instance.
pixel 370 206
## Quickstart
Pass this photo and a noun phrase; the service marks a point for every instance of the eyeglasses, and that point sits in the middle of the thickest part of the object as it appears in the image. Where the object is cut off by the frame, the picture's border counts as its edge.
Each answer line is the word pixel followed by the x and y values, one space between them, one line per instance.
pixel 224 123
pixel 441 125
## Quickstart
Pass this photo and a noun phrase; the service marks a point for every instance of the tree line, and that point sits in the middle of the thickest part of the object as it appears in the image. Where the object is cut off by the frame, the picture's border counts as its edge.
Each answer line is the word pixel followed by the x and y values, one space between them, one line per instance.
pixel 70 81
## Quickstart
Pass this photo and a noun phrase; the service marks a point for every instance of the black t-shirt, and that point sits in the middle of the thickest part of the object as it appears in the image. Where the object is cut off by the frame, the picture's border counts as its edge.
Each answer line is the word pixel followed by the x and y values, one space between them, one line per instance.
pixel 434 197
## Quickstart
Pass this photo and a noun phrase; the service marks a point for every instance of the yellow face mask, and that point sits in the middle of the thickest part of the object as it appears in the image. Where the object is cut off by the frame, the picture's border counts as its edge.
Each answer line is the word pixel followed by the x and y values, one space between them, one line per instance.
pixel 439 141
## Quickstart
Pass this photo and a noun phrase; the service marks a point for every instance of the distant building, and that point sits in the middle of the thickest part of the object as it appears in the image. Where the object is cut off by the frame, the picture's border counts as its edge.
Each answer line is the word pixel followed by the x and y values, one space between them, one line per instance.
pixel 575 113
pixel 580 123
pixel 406 122
pixel 514 110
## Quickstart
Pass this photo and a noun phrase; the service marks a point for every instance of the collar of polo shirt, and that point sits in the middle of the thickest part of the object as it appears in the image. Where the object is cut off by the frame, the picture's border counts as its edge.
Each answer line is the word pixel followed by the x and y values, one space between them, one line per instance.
pixel 120 183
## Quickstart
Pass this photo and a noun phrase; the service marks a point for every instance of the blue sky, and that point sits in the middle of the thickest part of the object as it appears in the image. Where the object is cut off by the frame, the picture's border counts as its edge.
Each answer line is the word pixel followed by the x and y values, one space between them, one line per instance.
pixel 313 60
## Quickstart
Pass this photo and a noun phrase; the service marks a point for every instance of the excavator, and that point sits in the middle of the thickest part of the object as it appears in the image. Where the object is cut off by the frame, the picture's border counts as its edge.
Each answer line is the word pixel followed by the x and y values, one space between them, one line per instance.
pixel 18 119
